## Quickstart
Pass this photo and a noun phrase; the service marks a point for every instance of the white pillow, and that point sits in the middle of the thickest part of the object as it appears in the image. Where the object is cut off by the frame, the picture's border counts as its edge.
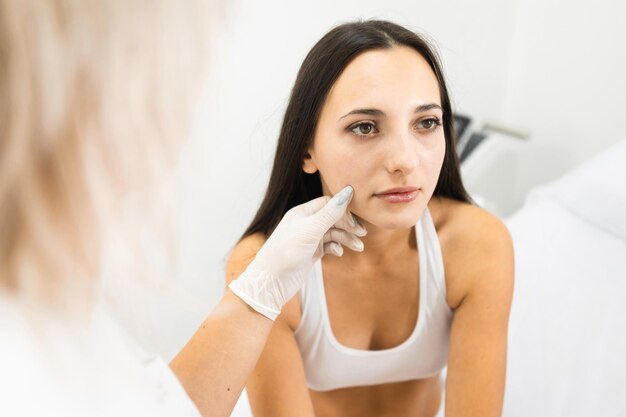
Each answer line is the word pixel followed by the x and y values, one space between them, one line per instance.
pixel 596 191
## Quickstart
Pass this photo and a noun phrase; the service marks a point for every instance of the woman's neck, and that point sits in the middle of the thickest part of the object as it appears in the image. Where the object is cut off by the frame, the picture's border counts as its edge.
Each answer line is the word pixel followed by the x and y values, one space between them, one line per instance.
pixel 381 246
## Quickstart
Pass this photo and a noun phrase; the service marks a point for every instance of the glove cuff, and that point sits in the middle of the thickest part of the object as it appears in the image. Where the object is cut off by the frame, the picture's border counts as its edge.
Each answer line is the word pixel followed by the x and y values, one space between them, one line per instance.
pixel 260 290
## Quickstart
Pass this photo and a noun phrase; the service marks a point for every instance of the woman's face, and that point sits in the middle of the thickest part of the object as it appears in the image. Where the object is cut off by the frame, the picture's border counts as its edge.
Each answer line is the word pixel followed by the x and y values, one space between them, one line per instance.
pixel 381 129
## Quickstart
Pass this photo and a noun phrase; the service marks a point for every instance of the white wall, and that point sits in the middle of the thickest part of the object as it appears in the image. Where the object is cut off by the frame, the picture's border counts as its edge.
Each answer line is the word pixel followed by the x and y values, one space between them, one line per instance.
pixel 554 68
pixel 566 82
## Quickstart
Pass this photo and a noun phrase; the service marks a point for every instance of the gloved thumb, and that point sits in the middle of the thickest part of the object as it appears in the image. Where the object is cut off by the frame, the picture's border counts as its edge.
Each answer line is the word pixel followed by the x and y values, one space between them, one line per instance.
pixel 336 207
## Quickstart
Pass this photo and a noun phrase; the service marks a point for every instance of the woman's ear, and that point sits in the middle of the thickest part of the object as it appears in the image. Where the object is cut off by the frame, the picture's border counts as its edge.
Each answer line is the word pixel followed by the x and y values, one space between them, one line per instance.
pixel 308 165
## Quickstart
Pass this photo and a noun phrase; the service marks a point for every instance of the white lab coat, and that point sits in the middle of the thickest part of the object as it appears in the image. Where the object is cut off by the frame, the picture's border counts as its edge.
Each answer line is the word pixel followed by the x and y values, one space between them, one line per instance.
pixel 53 366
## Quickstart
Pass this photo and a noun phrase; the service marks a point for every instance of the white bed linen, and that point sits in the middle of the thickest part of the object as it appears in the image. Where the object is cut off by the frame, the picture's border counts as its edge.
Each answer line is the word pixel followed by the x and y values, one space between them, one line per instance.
pixel 567 334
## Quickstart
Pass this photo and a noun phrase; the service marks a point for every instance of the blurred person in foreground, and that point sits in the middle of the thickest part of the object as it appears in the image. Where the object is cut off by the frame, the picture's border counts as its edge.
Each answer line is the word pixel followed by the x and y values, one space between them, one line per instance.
pixel 94 98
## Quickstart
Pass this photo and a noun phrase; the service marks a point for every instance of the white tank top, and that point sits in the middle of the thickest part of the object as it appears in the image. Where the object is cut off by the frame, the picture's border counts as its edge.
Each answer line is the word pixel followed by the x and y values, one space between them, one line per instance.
pixel 330 365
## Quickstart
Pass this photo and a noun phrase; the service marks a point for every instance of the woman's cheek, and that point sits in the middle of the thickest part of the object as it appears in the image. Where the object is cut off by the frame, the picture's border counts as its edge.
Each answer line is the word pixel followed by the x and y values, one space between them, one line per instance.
pixel 338 175
pixel 362 199
pixel 358 208
pixel 436 168
pixel 343 168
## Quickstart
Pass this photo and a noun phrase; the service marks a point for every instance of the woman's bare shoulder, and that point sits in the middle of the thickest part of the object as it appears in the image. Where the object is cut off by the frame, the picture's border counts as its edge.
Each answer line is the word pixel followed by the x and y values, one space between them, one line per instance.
pixel 242 254
pixel 470 238
pixel 464 220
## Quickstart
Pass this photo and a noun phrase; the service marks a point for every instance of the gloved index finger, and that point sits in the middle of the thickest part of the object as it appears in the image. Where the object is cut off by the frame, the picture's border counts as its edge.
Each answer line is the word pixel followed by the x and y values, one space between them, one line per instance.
pixel 315 205
pixel 343 197
pixel 335 209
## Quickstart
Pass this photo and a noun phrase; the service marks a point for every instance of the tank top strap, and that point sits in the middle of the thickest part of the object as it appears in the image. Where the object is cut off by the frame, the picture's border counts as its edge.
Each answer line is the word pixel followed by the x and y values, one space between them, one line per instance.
pixel 433 249
pixel 308 296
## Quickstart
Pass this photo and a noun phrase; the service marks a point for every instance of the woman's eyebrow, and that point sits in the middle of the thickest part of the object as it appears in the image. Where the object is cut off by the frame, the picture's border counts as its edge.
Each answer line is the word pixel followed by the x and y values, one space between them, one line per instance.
pixel 426 107
pixel 376 112
pixel 368 112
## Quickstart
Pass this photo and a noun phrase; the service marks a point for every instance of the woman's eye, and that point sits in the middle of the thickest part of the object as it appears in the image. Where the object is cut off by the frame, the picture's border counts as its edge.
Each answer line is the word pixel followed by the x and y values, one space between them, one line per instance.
pixel 429 124
pixel 363 129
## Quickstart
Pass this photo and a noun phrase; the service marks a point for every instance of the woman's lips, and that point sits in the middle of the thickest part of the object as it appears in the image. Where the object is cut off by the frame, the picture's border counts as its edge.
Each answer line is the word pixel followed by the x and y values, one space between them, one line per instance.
pixel 405 196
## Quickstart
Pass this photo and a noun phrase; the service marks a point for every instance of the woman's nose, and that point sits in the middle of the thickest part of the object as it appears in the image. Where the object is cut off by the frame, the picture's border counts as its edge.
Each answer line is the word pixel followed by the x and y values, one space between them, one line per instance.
pixel 402 155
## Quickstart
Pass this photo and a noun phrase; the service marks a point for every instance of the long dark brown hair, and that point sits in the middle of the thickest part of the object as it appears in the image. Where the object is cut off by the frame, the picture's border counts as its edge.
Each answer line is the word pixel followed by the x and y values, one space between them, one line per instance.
pixel 289 185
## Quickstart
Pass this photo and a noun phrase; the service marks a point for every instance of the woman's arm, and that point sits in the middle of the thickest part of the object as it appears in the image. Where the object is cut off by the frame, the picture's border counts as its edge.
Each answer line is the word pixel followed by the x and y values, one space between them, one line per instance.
pixel 478 342
pixel 214 365
pixel 277 387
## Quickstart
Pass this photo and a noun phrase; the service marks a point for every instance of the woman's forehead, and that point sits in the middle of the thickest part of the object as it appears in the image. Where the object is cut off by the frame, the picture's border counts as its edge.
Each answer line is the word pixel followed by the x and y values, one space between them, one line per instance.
pixel 394 77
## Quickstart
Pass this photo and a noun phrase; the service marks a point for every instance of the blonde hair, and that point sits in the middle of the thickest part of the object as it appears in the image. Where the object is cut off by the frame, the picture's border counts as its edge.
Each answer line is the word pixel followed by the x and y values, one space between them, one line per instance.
pixel 94 97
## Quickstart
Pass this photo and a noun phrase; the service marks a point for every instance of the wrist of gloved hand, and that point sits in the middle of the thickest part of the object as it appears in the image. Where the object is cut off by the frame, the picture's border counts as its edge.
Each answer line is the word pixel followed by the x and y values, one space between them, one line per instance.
pixel 261 290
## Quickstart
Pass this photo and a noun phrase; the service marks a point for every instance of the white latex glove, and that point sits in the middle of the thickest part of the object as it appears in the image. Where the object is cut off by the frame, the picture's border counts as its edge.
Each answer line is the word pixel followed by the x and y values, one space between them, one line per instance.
pixel 305 234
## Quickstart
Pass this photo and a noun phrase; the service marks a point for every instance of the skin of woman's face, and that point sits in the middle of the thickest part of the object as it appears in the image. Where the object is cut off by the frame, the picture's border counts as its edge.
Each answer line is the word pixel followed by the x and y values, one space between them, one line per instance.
pixel 381 128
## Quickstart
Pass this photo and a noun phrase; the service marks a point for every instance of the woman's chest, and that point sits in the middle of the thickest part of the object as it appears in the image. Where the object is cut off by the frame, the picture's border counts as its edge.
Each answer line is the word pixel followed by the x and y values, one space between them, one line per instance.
pixel 372 310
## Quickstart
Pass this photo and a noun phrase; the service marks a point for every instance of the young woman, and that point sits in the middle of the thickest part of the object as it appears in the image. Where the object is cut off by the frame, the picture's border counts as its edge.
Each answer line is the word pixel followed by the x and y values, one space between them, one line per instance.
pixel 371 331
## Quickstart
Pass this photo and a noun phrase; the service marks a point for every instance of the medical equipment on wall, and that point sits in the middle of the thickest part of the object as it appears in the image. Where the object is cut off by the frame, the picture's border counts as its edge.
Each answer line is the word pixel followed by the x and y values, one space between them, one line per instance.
pixel 490 164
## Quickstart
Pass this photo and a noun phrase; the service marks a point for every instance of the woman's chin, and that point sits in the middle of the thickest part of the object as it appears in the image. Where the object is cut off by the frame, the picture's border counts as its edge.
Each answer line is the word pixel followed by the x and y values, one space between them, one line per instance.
pixel 391 221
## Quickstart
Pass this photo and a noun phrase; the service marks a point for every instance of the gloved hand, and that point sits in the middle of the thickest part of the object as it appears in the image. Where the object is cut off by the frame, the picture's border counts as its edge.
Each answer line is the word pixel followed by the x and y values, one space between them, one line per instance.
pixel 305 234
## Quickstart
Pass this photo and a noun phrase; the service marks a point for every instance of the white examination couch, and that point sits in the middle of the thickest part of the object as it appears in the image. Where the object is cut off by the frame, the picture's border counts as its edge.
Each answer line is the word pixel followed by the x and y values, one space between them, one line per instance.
pixel 567 334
